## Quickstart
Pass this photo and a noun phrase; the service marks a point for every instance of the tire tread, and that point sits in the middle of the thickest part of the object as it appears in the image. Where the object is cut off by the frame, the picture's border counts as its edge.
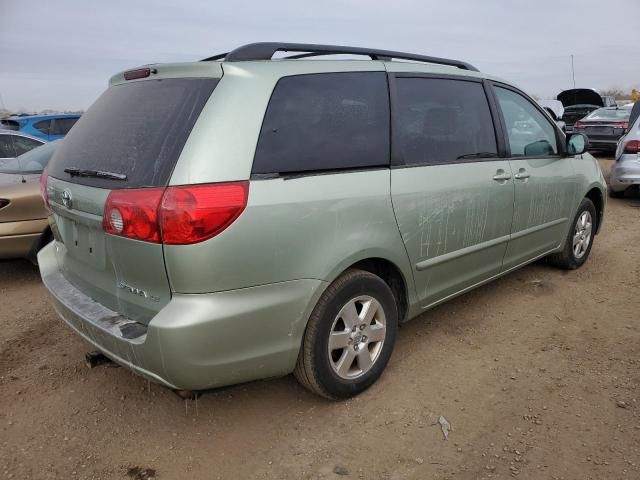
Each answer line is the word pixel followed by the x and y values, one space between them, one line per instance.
pixel 305 371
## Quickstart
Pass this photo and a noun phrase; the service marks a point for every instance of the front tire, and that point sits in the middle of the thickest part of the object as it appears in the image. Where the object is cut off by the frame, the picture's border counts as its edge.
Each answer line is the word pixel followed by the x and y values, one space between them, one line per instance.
pixel 579 239
pixel 349 337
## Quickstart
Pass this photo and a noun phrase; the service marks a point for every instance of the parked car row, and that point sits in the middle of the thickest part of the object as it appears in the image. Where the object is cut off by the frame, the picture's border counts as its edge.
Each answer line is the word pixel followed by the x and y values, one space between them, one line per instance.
pixel 27 142
pixel 579 102
pixel 598 117
pixel 45 127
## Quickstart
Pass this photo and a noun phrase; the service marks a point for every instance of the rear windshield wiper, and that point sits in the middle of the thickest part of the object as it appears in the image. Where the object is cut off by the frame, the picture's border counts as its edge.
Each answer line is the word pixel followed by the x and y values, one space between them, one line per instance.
pixel 478 155
pixel 79 172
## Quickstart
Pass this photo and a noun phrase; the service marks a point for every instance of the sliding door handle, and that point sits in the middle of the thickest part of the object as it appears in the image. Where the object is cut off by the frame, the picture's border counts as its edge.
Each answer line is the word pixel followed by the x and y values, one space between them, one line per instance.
pixel 501 176
pixel 521 175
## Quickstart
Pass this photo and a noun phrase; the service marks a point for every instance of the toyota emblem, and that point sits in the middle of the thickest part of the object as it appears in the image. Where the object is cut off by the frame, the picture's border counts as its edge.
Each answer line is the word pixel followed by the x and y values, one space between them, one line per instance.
pixel 67 200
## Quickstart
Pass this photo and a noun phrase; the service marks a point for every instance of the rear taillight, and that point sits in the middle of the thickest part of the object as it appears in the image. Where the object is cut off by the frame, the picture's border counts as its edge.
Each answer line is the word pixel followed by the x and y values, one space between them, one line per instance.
pixel 191 214
pixel 133 213
pixel 176 215
pixel 632 146
pixel 623 125
pixel 44 178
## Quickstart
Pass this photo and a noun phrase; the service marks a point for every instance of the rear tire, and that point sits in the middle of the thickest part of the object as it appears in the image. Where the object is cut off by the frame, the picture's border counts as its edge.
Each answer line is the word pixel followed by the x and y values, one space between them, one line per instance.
pixel 579 239
pixel 349 337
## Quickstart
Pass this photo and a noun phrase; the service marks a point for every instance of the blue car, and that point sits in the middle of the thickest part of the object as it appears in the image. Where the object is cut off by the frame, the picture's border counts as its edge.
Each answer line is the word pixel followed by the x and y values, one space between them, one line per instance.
pixel 46 127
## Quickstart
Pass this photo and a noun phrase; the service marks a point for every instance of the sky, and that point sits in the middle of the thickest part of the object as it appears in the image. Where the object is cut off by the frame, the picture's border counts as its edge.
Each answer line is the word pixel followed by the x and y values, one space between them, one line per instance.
pixel 60 55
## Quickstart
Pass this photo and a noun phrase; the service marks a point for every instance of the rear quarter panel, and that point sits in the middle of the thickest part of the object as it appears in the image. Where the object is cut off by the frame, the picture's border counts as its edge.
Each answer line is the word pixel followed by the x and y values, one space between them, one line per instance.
pixel 310 227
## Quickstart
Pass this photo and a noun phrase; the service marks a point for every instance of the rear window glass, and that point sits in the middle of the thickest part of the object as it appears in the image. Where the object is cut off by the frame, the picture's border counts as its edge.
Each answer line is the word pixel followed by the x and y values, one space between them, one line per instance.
pixel 326 121
pixel 34 161
pixel 61 126
pixel 24 144
pixel 43 126
pixel 610 114
pixel 137 129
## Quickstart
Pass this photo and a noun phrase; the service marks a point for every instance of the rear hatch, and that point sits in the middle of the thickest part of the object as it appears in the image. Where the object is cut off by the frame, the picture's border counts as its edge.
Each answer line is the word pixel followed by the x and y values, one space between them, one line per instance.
pixel 130 138
pixel 578 103
pixel 580 96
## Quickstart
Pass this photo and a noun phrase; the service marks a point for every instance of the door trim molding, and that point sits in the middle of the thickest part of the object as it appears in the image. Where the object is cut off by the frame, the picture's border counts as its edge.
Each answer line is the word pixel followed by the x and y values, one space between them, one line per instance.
pixel 488 280
pixel 537 228
pixel 424 264
pixel 447 257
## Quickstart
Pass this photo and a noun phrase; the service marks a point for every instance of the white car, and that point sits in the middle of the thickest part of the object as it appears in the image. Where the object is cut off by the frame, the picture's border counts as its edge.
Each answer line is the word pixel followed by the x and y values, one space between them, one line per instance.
pixel 555 110
pixel 14 143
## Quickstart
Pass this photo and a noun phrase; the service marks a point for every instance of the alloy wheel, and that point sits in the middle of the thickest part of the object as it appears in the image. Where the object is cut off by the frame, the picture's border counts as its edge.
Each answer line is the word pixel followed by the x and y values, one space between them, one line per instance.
pixel 357 336
pixel 582 234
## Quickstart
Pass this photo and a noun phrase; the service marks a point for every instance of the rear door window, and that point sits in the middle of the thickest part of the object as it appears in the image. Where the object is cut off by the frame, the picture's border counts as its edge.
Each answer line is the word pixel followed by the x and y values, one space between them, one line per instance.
pixel 327 121
pixel 442 121
pixel 137 129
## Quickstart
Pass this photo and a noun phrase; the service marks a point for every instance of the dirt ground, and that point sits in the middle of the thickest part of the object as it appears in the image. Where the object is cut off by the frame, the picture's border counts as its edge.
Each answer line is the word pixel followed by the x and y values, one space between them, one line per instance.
pixel 538 374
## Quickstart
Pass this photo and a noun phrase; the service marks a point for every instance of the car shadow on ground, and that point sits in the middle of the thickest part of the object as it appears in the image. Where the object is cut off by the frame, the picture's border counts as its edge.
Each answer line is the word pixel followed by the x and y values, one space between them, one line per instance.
pixel 17 270
pixel 443 318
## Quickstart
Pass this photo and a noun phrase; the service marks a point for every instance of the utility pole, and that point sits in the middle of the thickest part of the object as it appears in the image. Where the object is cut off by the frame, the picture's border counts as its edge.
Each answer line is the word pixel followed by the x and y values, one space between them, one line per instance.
pixel 573 72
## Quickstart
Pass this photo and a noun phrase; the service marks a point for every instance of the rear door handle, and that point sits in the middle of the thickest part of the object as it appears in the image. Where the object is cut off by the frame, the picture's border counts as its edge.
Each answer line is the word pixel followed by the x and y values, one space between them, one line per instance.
pixel 521 175
pixel 501 176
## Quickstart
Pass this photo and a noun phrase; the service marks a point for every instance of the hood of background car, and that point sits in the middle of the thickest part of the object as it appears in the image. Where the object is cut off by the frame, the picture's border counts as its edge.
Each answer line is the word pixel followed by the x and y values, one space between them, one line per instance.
pixel 580 96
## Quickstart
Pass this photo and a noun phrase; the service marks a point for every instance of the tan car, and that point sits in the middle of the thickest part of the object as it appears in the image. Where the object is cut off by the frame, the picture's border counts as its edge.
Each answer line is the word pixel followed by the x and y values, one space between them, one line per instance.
pixel 24 228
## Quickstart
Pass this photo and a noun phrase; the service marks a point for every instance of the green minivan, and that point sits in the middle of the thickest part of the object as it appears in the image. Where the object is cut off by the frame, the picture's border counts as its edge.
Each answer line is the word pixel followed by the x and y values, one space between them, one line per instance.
pixel 260 212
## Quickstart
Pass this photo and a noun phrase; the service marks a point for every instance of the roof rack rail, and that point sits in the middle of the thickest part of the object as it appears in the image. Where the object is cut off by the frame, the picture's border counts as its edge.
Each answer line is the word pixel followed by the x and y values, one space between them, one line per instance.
pixel 266 50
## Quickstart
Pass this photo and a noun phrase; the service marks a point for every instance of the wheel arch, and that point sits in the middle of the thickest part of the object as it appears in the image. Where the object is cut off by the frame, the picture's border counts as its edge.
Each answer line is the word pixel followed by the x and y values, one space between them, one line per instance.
pixel 597 197
pixel 400 283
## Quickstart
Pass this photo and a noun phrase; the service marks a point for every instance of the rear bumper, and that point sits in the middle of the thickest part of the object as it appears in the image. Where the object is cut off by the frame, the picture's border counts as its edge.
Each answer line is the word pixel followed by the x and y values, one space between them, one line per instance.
pixel 625 173
pixel 196 341
pixel 17 238
pixel 599 142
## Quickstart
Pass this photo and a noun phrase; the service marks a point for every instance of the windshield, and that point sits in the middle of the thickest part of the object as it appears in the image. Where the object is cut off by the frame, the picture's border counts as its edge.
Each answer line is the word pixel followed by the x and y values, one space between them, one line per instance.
pixel 34 161
pixel 618 114
pixel 135 130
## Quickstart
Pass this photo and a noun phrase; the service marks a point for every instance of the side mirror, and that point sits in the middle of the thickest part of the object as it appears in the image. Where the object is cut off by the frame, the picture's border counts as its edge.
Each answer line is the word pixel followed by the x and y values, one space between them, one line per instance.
pixel 577 144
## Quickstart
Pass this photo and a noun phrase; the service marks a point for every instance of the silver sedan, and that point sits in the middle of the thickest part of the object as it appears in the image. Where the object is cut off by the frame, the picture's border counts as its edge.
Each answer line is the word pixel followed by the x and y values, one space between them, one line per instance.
pixel 625 173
